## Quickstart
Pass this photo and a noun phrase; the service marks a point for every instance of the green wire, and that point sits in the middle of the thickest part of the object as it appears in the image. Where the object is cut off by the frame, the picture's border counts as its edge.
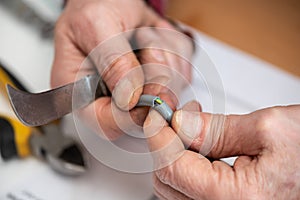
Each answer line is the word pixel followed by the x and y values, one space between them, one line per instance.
pixel 159 101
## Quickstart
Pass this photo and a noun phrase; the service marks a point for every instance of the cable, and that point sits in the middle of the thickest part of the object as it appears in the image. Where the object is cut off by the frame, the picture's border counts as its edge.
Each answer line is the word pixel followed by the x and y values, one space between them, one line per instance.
pixel 157 104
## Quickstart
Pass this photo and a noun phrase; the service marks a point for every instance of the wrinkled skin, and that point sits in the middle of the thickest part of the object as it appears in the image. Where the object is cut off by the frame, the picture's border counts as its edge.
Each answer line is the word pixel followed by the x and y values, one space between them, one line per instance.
pixel 267 143
pixel 84 24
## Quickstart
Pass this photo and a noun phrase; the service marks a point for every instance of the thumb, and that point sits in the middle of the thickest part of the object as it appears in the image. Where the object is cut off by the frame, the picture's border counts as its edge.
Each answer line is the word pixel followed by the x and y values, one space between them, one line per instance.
pixel 218 135
pixel 185 171
pixel 113 57
pixel 119 68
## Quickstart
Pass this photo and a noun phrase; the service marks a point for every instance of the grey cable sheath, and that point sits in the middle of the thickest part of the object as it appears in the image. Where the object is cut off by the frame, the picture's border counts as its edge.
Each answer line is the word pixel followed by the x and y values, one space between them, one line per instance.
pixel 157 104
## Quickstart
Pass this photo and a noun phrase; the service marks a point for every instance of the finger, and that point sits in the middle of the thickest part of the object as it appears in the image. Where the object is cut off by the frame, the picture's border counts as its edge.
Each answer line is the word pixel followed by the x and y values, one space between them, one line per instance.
pixel 117 65
pixel 104 118
pixel 159 76
pixel 113 58
pixel 70 64
pixel 165 72
pixel 165 148
pixel 185 171
pixel 166 192
pixel 219 135
pixel 98 117
pixel 162 78
pixel 198 178
pixel 156 87
pixel 194 107
pixel 67 59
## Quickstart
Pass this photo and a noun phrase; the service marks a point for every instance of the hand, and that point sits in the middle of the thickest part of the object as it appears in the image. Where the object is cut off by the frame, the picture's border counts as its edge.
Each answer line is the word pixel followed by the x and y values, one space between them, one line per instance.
pixel 85 24
pixel 267 143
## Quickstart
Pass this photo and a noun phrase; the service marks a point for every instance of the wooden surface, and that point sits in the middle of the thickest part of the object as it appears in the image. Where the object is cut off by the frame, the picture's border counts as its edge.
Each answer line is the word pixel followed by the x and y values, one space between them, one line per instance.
pixel 269 29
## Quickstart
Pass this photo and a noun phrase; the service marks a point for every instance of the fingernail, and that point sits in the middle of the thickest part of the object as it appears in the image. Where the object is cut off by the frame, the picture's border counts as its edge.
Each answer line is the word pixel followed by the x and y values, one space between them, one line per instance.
pixel 192 106
pixel 189 123
pixel 158 55
pixel 123 93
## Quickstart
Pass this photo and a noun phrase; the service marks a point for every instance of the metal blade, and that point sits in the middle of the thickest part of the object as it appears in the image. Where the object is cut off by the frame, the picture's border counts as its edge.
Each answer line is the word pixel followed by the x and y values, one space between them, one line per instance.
pixel 41 108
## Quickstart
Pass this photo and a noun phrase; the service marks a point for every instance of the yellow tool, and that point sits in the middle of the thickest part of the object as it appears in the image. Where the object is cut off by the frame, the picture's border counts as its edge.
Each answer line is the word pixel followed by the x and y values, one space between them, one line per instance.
pixel 14 136
pixel 45 142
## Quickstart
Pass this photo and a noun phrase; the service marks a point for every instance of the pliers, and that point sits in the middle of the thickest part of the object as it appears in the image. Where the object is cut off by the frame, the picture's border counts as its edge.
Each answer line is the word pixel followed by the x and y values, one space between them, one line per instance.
pixel 45 142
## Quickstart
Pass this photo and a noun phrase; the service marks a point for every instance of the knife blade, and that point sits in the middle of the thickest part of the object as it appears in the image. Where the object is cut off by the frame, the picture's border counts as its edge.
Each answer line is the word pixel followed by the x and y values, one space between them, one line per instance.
pixel 36 109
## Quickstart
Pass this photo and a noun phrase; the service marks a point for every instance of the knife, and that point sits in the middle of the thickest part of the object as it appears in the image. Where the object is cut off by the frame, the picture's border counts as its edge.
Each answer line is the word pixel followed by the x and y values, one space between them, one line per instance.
pixel 36 109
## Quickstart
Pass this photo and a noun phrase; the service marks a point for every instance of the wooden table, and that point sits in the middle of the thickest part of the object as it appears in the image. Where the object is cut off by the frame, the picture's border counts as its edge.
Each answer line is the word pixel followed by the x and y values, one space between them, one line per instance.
pixel 269 29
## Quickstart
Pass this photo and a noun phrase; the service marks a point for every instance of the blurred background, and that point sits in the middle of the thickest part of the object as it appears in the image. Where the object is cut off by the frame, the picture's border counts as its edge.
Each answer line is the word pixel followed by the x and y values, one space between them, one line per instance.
pixel 268 29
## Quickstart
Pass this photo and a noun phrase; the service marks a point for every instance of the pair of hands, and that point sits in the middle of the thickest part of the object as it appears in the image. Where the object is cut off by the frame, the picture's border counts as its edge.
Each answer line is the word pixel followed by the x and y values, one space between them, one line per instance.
pixel 267 141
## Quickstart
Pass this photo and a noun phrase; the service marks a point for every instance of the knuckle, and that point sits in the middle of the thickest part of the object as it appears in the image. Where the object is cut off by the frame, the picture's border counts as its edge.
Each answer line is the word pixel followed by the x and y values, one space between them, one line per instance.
pixel 268 119
pixel 152 55
pixel 217 136
pixel 116 67
pixel 60 26
pixel 91 22
pixel 116 61
pixel 84 16
pixel 90 13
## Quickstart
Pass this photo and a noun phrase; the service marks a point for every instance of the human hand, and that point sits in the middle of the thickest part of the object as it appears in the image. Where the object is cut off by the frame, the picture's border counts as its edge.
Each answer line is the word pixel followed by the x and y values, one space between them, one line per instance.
pixel 267 143
pixel 85 24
